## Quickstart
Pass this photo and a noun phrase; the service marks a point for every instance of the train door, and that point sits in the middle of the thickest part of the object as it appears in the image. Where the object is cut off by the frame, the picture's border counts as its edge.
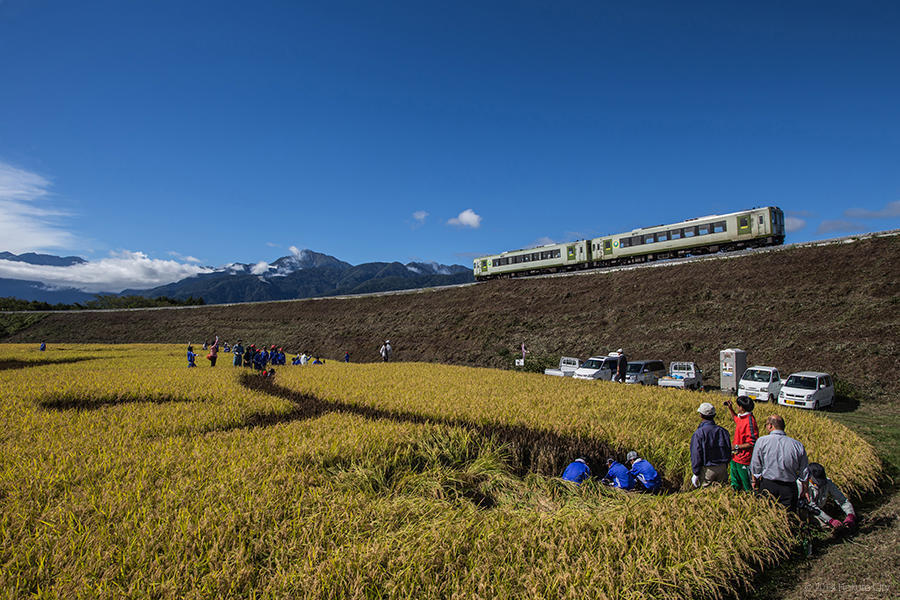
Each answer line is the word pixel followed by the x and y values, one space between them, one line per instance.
pixel 607 248
pixel 744 225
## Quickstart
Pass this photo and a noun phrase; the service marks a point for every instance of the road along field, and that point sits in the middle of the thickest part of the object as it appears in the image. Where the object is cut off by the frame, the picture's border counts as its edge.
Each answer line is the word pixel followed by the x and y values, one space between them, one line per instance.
pixel 125 474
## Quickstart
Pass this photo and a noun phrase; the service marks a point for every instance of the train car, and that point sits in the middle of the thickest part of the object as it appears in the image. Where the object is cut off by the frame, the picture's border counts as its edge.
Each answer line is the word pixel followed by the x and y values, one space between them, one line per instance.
pixel 714 233
pixel 551 258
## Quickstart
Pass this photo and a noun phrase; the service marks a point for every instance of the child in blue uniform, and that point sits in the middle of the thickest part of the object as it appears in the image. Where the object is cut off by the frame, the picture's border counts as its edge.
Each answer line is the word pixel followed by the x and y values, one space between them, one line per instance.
pixel 643 472
pixel 191 357
pixel 618 476
pixel 577 471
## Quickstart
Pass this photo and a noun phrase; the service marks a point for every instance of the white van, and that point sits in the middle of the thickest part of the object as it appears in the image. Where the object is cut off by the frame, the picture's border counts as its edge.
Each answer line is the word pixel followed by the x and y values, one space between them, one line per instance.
pixel 597 367
pixel 760 383
pixel 645 372
pixel 807 389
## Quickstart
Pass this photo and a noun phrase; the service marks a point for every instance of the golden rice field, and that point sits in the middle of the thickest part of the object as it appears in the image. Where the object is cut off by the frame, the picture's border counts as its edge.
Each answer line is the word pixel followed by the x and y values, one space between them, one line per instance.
pixel 123 474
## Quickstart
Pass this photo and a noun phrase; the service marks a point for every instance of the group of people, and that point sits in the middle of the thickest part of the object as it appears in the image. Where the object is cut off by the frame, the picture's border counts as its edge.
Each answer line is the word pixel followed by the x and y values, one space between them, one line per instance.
pixel 639 475
pixel 774 464
pixel 256 357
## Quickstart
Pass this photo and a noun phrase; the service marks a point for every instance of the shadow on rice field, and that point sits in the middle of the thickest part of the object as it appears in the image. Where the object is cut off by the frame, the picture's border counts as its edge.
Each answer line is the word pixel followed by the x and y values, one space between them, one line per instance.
pixel 529 450
pixel 8 365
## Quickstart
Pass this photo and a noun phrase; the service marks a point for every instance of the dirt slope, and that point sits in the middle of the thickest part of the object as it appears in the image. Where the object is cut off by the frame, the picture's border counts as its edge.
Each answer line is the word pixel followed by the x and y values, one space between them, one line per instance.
pixel 833 308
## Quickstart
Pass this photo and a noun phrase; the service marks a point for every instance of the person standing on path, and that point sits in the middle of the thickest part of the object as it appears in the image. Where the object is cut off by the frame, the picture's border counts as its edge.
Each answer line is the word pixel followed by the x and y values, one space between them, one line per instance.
pixel 710 449
pixel 778 463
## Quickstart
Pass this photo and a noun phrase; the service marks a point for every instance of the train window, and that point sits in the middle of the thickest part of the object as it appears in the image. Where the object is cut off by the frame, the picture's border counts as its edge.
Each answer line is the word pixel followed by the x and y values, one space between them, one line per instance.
pixel 675 234
pixel 662 236
pixel 648 239
pixel 690 232
pixel 718 227
pixel 761 220
pixel 702 229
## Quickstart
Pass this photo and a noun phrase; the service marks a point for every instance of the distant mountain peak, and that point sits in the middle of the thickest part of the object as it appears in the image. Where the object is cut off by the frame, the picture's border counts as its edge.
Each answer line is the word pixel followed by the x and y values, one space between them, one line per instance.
pixel 33 258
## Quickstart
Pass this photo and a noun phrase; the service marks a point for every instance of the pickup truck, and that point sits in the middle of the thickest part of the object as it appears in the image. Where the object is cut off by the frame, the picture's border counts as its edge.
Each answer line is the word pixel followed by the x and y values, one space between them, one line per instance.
pixel 683 375
pixel 567 367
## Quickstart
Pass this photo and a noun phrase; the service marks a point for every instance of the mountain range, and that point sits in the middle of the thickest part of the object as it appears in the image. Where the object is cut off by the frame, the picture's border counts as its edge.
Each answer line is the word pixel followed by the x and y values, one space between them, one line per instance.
pixel 303 274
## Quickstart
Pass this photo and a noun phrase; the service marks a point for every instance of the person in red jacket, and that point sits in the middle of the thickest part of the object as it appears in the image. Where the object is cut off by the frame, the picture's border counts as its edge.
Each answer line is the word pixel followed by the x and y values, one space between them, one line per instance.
pixel 746 432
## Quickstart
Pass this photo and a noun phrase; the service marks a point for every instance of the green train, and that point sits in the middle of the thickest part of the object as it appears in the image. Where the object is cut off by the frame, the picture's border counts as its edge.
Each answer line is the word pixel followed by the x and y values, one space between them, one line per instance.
pixel 752 228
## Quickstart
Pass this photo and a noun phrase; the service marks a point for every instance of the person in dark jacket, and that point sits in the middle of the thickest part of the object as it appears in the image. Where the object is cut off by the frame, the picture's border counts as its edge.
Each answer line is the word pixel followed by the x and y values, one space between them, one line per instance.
pixel 710 449
pixel 577 471
pixel 621 366
pixel 191 356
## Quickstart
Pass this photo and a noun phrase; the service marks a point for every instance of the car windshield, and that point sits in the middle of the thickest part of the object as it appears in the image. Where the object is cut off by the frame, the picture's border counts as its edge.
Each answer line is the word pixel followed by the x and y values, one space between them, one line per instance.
pixel 591 363
pixel 635 367
pixel 756 375
pixel 800 382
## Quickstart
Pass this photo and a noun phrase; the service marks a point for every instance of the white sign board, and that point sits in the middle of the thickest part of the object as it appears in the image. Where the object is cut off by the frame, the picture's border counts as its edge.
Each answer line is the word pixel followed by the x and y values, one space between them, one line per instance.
pixel 520 362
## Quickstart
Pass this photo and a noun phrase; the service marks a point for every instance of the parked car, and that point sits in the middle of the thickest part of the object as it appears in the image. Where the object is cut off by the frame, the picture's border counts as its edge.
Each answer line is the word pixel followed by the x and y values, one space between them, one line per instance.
pixel 567 367
pixel 683 375
pixel 760 384
pixel 645 372
pixel 597 367
pixel 807 389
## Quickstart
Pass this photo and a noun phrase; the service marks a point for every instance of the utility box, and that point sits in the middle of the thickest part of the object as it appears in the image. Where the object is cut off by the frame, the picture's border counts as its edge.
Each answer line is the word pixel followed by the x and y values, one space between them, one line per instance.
pixel 732 364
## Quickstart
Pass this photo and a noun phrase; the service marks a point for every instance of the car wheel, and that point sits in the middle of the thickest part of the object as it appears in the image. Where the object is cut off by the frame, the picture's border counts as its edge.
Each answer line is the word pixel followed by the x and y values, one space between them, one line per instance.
pixel 816 405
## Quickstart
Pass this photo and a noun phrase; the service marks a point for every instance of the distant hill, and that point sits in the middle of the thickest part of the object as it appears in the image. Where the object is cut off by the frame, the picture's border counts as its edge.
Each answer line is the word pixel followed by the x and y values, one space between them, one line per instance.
pixel 303 274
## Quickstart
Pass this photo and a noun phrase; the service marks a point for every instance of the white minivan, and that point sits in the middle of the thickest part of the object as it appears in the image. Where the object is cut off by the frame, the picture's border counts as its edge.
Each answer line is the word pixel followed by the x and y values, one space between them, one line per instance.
pixel 760 384
pixel 645 372
pixel 807 389
pixel 597 367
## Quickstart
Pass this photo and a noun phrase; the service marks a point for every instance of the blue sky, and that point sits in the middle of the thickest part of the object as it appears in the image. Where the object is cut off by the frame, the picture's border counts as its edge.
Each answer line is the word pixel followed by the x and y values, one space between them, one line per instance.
pixel 165 135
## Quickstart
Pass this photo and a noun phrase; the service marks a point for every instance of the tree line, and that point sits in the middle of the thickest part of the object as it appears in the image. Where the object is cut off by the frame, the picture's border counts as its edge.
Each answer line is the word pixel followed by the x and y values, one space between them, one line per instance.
pixel 100 302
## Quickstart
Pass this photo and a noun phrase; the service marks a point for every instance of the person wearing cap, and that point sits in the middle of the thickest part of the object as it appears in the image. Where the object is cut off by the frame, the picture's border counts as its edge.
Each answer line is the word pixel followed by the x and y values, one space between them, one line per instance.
pixel 710 449
pixel 778 463
pixel 577 471
pixel 385 351
pixel 818 492
pixel 643 472
pixel 621 366
pixel 618 475
pixel 191 357
pixel 746 433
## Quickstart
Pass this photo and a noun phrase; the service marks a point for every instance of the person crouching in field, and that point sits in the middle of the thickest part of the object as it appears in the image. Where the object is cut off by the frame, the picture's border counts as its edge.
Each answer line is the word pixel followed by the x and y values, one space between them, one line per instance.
pixel 818 491
pixel 643 472
pixel 618 476
pixel 577 471
pixel 746 433
pixel 191 356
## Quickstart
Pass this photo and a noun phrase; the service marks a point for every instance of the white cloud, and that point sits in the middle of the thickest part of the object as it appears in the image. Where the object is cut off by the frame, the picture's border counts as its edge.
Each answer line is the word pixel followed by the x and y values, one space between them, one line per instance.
pixel 272 245
pixel 119 271
pixel 180 256
pixel 467 218
pixel 792 224
pixel 26 222
pixel 419 217
pixel 891 210
pixel 542 241
pixel 260 268
pixel 838 225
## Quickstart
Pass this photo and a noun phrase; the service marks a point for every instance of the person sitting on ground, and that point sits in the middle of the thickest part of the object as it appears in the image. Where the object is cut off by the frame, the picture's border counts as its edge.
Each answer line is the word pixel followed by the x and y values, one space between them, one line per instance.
pixel 618 475
pixel 643 472
pixel 818 490
pixel 191 356
pixel 577 471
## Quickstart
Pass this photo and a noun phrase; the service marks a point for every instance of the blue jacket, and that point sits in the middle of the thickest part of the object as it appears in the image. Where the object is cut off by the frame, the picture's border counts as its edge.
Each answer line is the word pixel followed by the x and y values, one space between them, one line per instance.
pixel 710 446
pixel 620 476
pixel 191 357
pixel 645 474
pixel 577 471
